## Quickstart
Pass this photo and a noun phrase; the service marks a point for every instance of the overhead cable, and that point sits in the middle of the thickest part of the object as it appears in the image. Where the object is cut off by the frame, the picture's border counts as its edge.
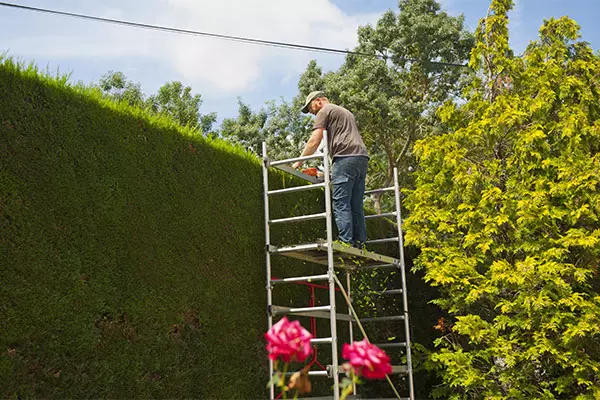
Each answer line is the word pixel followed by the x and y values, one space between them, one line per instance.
pixel 242 39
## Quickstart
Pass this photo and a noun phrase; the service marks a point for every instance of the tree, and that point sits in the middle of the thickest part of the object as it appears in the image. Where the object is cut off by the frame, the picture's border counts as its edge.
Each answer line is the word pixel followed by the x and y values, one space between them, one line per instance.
pixel 506 212
pixel 172 99
pixel 177 101
pixel 116 86
pixel 281 125
pixel 246 129
pixel 395 90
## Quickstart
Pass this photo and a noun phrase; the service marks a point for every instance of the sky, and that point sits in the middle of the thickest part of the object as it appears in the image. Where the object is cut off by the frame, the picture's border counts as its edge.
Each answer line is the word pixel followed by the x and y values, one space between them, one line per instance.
pixel 223 71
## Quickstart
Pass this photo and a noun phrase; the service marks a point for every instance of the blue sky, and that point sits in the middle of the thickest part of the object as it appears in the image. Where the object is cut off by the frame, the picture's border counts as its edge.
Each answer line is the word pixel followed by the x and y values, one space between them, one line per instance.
pixel 222 71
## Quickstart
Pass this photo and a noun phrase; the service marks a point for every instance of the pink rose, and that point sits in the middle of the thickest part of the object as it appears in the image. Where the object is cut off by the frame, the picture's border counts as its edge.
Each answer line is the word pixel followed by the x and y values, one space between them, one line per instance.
pixel 367 360
pixel 288 340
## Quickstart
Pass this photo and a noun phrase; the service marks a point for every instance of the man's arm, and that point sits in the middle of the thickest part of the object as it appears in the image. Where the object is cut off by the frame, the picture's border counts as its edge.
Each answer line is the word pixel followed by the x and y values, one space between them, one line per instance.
pixel 311 146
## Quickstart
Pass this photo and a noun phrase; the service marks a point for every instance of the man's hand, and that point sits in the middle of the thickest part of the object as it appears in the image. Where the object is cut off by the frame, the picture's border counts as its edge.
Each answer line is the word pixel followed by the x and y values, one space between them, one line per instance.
pixel 311 146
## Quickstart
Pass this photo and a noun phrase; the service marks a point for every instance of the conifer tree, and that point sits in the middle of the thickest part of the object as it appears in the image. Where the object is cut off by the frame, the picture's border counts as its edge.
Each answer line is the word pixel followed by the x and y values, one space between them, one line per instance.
pixel 506 213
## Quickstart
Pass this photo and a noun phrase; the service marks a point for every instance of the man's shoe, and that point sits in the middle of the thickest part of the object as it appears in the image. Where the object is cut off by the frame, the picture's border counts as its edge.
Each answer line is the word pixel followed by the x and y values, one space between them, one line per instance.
pixel 360 245
pixel 345 244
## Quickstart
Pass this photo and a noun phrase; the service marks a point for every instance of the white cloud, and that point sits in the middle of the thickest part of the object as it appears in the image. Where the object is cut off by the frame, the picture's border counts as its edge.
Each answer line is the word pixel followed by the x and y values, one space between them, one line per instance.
pixel 233 66
pixel 214 65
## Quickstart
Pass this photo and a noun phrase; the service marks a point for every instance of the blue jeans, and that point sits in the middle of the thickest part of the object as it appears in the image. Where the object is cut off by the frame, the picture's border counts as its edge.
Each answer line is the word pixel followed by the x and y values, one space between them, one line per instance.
pixel 348 178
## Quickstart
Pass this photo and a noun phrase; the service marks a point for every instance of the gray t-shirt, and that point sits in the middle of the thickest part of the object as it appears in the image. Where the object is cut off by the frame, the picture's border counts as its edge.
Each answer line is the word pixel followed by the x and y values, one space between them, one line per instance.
pixel 342 132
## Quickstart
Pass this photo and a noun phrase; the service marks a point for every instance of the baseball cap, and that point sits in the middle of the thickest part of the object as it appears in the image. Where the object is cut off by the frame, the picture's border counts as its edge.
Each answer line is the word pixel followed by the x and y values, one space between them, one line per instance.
pixel 311 96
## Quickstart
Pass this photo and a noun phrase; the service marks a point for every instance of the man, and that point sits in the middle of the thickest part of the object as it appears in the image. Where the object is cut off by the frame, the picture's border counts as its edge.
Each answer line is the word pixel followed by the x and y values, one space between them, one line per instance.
pixel 349 158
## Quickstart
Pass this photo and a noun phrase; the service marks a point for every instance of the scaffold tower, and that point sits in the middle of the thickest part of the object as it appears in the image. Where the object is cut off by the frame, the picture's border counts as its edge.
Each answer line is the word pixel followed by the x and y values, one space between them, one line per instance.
pixel 336 257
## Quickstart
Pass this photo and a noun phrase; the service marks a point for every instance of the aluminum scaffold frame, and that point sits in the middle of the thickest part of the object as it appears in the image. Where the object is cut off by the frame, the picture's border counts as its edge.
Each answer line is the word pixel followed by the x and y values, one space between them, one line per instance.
pixel 323 252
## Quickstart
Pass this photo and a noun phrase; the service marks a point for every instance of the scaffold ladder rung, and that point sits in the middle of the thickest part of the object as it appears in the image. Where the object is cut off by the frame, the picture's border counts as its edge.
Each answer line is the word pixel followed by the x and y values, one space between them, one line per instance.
pixel 299 310
pixel 382 319
pixel 375 293
pixel 399 369
pixel 296 189
pixel 396 369
pixel 293 160
pixel 311 278
pixel 376 191
pixel 298 219
pixel 311 373
pixel 299 247
pixel 315 312
pixel 386 345
pixel 385 240
pixel 382 215
pixel 321 340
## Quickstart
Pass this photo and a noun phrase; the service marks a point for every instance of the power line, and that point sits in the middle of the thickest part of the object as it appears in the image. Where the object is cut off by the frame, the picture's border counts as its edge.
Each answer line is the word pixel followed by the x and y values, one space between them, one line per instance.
pixel 188 32
pixel 242 39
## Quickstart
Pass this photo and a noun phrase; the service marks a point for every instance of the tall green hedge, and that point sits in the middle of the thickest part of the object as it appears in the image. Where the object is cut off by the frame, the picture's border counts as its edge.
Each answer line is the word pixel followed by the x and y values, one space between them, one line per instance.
pixel 132 261
pixel 132 251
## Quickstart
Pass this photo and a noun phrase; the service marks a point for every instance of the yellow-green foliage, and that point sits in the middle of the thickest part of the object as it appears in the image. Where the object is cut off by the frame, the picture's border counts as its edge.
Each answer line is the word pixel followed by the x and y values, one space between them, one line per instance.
pixel 506 212
pixel 132 252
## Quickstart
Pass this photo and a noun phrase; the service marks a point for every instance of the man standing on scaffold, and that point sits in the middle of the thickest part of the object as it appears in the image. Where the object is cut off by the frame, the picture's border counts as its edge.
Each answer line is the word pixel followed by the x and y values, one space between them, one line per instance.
pixel 350 160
